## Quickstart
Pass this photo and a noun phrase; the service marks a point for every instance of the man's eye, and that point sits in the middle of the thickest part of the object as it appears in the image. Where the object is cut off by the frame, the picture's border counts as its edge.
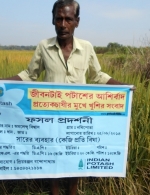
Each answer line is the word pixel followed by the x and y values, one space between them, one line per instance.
pixel 69 19
pixel 58 19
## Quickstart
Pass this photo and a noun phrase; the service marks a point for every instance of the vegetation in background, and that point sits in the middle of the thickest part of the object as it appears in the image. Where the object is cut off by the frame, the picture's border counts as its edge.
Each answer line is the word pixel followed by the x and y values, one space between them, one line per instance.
pixel 16 47
pixel 129 65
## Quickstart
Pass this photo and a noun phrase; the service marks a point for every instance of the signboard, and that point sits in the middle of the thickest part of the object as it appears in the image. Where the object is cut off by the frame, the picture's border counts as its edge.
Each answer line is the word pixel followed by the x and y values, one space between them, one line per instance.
pixel 51 130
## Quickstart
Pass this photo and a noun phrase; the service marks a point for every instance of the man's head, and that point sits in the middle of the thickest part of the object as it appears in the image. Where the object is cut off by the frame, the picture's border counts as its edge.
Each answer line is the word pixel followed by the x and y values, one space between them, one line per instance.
pixel 63 3
pixel 65 18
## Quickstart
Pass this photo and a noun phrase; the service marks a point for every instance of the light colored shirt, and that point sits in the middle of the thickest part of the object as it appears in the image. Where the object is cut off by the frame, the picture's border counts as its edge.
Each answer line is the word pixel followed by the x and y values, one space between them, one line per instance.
pixel 81 63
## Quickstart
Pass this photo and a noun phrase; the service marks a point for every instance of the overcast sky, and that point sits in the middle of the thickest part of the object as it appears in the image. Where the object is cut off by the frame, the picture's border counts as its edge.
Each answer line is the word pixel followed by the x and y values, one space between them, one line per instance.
pixel 127 22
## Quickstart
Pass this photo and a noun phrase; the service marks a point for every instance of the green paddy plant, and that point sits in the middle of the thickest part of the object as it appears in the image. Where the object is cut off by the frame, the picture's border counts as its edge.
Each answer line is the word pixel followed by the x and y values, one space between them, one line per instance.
pixel 132 68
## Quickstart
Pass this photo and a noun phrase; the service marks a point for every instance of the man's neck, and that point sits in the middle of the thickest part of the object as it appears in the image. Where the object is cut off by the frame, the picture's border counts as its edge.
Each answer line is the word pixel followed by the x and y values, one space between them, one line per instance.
pixel 64 43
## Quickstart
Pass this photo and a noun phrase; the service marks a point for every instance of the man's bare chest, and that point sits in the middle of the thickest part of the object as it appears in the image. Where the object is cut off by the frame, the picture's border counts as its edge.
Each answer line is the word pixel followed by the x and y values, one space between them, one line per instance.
pixel 66 53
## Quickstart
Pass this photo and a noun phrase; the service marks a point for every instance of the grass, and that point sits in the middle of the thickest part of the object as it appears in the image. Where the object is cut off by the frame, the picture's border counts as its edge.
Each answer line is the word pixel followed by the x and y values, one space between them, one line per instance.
pixel 133 69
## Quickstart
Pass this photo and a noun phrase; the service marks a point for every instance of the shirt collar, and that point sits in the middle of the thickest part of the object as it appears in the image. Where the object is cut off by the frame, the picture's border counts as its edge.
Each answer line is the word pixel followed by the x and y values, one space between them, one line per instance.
pixel 76 44
pixel 54 42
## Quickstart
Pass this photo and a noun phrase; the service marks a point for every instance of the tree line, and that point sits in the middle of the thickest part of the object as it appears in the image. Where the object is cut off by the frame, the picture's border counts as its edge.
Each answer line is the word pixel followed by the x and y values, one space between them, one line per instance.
pixel 16 47
pixel 110 48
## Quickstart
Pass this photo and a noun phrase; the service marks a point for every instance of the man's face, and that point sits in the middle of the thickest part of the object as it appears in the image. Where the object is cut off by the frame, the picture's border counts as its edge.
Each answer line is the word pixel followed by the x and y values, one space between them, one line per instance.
pixel 65 22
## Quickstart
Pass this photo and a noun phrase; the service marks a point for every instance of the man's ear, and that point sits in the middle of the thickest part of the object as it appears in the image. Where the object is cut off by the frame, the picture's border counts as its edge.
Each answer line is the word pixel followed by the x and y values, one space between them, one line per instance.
pixel 77 20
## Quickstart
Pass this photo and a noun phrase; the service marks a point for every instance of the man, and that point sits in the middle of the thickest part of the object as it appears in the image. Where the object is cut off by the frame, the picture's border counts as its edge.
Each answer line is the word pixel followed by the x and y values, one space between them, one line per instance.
pixel 65 59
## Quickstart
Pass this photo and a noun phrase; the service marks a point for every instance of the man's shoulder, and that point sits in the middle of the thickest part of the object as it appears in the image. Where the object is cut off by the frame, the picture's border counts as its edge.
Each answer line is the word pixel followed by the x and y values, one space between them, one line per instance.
pixel 47 42
pixel 83 42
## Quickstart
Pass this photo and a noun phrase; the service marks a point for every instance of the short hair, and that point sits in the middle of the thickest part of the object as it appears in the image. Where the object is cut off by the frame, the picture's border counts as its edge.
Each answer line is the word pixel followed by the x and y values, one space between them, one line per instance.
pixel 63 3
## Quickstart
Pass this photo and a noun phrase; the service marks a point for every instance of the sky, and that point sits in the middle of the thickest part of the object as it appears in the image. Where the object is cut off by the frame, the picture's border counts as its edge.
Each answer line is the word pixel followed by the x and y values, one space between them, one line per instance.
pixel 27 22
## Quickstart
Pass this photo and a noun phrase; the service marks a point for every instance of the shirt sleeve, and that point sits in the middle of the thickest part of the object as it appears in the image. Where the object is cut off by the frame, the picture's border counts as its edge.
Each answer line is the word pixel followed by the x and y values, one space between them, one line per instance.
pixel 95 73
pixel 35 67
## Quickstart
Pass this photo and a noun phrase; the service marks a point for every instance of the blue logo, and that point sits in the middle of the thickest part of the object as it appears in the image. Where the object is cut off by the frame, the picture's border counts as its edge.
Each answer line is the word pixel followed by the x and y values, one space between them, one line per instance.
pixel 80 165
pixel 1 91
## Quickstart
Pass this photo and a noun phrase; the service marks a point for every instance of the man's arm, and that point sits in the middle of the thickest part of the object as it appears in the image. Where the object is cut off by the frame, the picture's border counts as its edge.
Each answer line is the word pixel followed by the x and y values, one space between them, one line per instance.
pixel 14 78
pixel 112 81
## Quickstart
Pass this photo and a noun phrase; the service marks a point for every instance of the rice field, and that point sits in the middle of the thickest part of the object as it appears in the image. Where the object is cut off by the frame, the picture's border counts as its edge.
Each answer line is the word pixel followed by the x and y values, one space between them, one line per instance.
pixel 132 69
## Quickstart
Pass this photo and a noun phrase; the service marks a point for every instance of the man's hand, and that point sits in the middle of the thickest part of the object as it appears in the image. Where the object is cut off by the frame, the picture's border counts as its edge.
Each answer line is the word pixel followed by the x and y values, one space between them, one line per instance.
pixel 112 81
pixel 14 78
pixel 115 82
